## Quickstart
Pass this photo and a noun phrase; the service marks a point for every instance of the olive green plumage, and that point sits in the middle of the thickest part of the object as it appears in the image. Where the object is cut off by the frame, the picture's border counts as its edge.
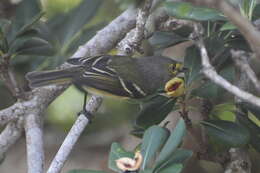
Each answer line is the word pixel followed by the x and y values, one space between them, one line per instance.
pixel 109 74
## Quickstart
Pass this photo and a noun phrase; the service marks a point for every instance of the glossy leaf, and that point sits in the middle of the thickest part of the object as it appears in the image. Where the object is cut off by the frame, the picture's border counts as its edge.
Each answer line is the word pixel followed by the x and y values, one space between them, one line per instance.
pixel 193 63
pixel 24 14
pixel 117 152
pixel 154 138
pixel 161 40
pixel 175 168
pixel 154 111
pixel 138 131
pixel 172 143
pixel 227 133
pixel 28 26
pixel 5 26
pixel 252 108
pixel 224 111
pixel 210 90
pixel 179 156
pixel 66 26
pixel 85 171
pixel 146 171
pixel 183 10
pixel 31 46
pixel 253 129
pixel 228 26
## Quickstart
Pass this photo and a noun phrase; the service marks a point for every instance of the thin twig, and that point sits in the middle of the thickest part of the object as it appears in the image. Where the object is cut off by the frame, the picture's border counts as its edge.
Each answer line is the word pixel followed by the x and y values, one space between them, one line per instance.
pixel 211 73
pixel 239 157
pixel 34 142
pixel 73 136
pixel 8 77
pixel 134 39
pixel 10 135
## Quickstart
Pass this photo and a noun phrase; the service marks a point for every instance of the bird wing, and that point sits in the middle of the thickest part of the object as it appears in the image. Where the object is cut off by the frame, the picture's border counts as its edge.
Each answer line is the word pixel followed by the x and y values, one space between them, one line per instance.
pixel 99 75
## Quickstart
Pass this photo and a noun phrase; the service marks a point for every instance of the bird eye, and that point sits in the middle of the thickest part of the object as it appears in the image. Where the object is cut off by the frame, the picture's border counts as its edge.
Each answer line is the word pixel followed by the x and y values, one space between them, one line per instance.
pixel 172 67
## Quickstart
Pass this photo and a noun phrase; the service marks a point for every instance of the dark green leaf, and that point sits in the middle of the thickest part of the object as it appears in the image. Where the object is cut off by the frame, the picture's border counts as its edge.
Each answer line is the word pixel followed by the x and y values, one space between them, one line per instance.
pixel 66 26
pixel 154 138
pixel 227 133
pixel 161 40
pixel 146 171
pixel 252 108
pixel 228 26
pixel 5 26
pixel 210 90
pixel 175 168
pixel 85 171
pixel 256 12
pixel 193 63
pixel 24 13
pixel 31 46
pixel 183 10
pixel 237 42
pixel 138 131
pixel 172 143
pixel 117 152
pixel 154 111
pixel 179 156
pixel 27 28
pixel 253 129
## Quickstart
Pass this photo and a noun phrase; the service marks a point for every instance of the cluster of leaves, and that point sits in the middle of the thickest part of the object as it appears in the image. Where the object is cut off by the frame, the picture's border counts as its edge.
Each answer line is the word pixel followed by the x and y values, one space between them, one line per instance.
pixel 156 140
pixel 50 40
pixel 225 127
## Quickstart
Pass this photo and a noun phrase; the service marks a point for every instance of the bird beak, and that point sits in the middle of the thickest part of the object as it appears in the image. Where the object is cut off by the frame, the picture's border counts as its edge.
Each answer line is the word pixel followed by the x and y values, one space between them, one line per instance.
pixel 184 69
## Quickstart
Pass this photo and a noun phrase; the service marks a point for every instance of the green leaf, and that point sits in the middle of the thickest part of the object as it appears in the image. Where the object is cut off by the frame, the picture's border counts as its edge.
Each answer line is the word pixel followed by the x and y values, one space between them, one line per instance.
pixel 24 14
pixel 154 138
pixel 5 26
pixel 85 171
pixel 179 156
pixel 183 10
pixel 172 143
pixel 210 90
pixel 146 171
pixel 157 107
pixel 138 131
pixel 227 133
pixel 175 168
pixel 66 26
pixel 224 111
pixel 253 129
pixel 228 26
pixel 193 63
pixel 4 29
pixel 252 108
pixel 27 28
pixel 31 46
pixel 161 40
pixel 256 12
pixel 117 152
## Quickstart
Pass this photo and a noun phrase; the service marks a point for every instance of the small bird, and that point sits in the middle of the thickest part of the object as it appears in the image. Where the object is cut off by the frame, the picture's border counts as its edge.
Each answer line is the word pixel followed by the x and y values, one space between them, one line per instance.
pixel 115 75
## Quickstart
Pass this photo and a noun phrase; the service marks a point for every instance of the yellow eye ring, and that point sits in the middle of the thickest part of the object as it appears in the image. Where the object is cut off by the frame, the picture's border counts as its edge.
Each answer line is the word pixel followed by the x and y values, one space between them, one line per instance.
pixel 172 68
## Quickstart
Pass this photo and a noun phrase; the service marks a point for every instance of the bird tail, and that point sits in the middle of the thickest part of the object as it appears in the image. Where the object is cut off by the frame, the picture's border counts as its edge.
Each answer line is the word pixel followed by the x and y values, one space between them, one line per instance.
pixel 42 78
